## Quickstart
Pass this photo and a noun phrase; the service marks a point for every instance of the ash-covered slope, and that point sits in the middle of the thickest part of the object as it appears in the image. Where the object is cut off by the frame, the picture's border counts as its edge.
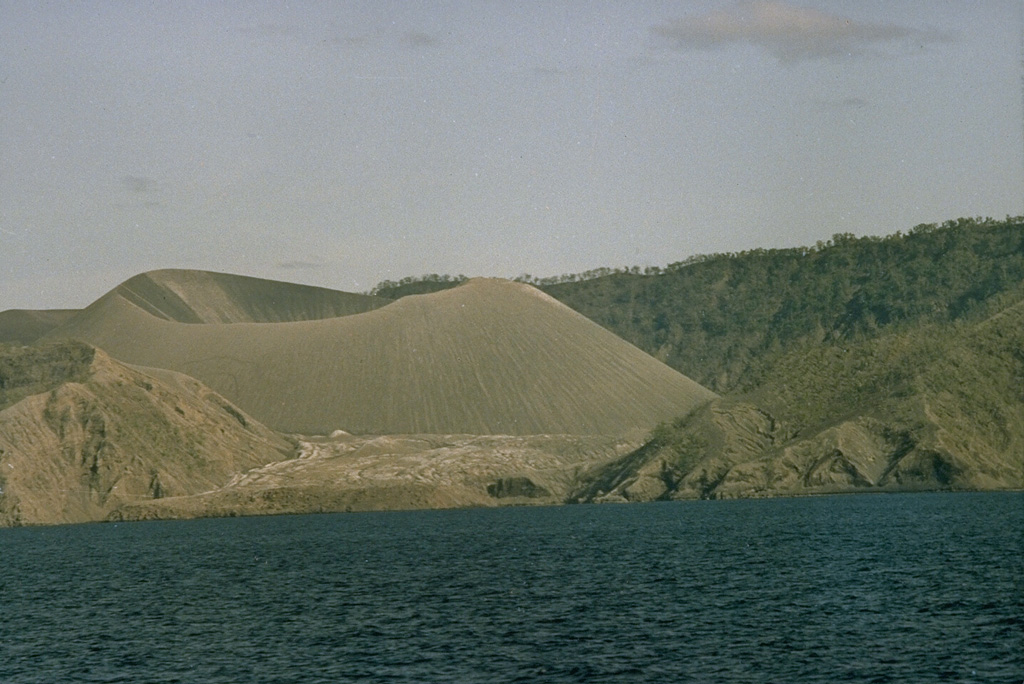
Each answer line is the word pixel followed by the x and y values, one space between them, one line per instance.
pixel 189 296
pixel 488 357
pixel 25 326
pixel 81 435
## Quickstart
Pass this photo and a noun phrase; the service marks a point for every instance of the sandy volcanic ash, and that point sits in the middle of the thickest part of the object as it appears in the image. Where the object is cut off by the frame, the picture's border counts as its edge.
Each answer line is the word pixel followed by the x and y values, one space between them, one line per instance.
pixel 487 357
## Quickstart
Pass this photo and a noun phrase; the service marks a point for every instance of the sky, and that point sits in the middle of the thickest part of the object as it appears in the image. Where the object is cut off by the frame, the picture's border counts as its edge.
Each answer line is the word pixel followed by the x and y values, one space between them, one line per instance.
pixel 344 143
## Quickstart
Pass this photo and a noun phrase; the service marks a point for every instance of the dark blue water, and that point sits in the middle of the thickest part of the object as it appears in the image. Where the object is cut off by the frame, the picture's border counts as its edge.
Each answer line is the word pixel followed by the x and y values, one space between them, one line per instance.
pixel 895 588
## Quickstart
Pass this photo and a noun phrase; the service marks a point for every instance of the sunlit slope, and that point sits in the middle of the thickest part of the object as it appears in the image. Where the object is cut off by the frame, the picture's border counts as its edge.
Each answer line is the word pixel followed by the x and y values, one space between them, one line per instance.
pixel 205 297
pixel 81 435
pixel 488 357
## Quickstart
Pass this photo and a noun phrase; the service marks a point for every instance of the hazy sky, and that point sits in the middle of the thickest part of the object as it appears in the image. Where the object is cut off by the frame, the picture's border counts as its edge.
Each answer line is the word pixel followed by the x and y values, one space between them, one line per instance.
pixel 343 143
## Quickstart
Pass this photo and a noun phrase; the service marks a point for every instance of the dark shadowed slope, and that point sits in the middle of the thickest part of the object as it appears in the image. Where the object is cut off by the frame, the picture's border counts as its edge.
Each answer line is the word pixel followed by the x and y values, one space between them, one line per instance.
pixel 204 297
pixel 488 357
pixel 24 326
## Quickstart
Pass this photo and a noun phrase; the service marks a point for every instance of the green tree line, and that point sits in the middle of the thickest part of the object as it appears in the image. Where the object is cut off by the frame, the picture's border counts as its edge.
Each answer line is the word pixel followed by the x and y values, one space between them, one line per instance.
pixel 720 318
pixel 723 318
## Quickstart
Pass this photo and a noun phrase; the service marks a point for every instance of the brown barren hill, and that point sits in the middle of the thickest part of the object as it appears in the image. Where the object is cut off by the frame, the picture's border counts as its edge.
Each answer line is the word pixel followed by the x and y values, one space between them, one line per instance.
pixel 487 357
pixel 93 434
pixel 190 296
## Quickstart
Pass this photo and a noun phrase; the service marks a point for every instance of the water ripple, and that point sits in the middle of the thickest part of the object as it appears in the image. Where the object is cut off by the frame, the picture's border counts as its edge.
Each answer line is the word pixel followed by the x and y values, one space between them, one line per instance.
pixel 852 589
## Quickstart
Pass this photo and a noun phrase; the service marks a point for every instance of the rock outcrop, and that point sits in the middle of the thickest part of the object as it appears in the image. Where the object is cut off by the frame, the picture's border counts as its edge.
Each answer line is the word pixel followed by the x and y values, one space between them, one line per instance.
pixel 517 488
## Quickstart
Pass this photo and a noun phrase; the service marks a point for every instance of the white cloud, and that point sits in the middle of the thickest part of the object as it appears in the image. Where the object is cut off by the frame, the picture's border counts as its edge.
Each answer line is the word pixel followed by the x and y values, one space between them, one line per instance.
pixel 789 33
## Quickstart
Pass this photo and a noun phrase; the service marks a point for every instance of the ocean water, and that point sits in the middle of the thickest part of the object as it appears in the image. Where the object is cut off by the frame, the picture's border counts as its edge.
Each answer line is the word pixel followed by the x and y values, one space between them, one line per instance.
pixel 869 588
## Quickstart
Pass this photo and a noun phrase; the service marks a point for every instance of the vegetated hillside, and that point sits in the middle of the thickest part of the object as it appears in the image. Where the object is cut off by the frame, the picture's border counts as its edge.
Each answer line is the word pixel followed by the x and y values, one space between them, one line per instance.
pixel 721 318
pixel 718 318
pixel 487 357
pixel 25 326
pixel 932 407
pixel 81 435
pixel 189 296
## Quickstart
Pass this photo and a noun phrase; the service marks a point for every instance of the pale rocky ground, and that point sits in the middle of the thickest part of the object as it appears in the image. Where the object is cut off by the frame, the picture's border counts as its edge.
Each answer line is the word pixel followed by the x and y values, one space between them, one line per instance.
pixel 370 473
